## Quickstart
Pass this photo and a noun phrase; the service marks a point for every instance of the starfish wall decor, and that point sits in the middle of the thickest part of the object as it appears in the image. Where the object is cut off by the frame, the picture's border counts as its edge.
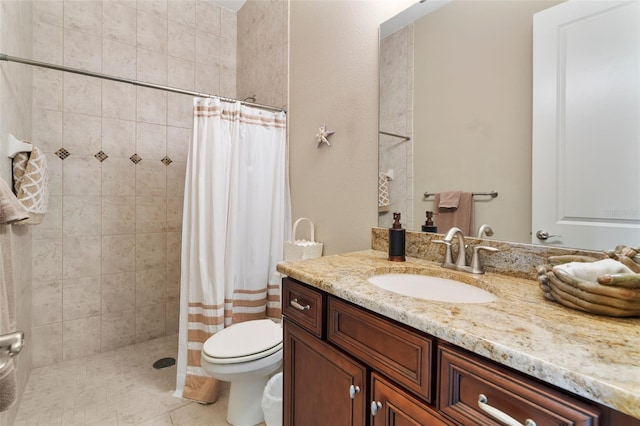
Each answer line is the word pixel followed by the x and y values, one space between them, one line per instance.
pixel 323 135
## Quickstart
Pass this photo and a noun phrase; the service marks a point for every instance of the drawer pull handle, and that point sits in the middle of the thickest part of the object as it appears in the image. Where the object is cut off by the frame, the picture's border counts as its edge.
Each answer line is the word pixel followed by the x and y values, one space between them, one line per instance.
pixel 499 415
pixel 353 391
pixel 298 306
pixel 375 406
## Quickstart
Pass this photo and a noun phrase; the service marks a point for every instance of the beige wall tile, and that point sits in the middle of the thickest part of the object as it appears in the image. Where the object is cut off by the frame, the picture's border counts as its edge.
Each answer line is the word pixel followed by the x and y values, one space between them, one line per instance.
pixel 150 322
pixel 207 78
pixel 174 214
pixel 151 141
pixel 83 15
pixel 118 100
pixel 118 253
pixel 82 51
pixel 47 43
pixel 82 133
pixel 82 94
pixel 173 317
pixel 151 32
pixel 46 302
pixel 151 250
pixel 151 287
pixel 51 226
pixel 119 22
pixel 173 284
pixel 81 176
pixel 181 73
pixel 47 129
pixel 151 105
pixel 183 11
pixel 80 337
pixel 54 170
pixel 174 246
pixel 48 12
pixel 118 329
pixel 81 298
pixel 118 215
pixel 151 214
pixel 118 177
pixel 118 138
pixel 118 292
pixel 208 16
pixel 81 257
pixel 81 216
pixel 47 347
pixel 182 41
pixel 47 89
pixel 179 110
pixel 119 59
pixel 151 179
pixel 207 47
pixel 176 172
pixel 47 260
pixel 152 67
pixel 157 7
pixel 228 24
pixel 178 139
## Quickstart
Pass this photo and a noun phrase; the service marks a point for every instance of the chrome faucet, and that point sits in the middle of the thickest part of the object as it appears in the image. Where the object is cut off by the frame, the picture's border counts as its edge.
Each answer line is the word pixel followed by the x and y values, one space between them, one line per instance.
pixel 485 230
pixel 461 261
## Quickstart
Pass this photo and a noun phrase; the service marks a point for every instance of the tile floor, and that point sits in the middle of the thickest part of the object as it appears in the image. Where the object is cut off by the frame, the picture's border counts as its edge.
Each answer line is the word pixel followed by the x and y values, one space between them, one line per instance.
pixel 116 388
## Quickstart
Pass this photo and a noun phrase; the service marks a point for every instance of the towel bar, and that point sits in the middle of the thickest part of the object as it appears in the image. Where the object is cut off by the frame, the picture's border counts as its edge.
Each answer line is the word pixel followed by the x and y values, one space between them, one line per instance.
pixel 10 145
pixel 492 194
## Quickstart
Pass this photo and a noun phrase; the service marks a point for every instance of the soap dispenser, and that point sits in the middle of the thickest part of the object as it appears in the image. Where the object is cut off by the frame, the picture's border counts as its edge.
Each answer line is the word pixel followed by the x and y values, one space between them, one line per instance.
pixel 396 240
pixel 429 226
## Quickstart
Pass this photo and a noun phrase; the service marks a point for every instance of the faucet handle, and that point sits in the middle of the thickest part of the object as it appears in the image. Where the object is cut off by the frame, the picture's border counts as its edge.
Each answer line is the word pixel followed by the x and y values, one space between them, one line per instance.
pixel 476 267
pixel 448 257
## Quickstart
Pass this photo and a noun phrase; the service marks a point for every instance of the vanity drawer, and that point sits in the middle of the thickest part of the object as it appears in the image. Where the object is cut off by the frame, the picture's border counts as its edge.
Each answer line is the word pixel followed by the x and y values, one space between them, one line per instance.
pixel 393 350
pixel 465 377
pixel 304 306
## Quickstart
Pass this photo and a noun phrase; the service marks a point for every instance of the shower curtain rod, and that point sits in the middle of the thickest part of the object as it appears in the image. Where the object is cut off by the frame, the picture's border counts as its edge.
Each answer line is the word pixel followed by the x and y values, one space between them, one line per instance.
pixel 8 58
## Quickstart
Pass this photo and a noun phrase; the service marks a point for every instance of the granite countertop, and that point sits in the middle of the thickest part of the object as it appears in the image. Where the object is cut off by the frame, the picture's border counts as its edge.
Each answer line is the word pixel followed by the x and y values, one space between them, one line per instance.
pixel 596 357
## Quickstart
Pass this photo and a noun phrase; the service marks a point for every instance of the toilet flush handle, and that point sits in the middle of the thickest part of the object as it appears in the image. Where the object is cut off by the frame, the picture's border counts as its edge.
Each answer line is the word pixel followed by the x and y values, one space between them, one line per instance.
pixel 298 306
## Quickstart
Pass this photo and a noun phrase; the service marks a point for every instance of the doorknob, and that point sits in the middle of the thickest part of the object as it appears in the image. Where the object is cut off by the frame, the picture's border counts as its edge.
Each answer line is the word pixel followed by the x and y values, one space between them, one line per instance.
pixel 543 235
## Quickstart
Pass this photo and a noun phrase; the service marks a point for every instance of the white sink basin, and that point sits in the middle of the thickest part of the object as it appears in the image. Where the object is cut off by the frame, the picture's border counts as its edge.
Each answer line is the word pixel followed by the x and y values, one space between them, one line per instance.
pixel 432 288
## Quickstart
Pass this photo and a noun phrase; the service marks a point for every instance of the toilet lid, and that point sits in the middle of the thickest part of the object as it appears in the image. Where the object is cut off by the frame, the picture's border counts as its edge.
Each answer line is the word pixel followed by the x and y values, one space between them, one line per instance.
pixel 245 339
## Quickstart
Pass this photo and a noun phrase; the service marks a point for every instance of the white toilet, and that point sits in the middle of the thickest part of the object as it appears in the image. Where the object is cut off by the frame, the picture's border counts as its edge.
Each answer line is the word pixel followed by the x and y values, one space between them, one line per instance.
pixel 245 354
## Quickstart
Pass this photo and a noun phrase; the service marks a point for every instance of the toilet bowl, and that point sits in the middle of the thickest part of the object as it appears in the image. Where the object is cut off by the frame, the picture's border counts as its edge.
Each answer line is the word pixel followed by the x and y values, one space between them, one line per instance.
pixel 246 355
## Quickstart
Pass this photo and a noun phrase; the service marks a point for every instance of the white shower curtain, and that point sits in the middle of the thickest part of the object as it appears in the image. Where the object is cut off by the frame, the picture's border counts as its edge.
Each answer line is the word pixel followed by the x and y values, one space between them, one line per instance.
pixel 235 221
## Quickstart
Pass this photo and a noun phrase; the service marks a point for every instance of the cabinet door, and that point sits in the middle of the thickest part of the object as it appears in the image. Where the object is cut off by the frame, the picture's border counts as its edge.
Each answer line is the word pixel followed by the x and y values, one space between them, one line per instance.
pixel 319 382
pixel 391 406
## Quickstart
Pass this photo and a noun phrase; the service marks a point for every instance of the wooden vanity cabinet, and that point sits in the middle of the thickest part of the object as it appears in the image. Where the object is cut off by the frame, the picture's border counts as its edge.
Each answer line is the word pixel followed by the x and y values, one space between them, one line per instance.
pixel 474 391
pixel 343 363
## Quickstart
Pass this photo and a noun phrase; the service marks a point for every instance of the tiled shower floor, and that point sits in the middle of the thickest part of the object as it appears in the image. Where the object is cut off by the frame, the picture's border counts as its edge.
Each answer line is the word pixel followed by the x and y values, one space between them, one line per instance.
pixel 120 387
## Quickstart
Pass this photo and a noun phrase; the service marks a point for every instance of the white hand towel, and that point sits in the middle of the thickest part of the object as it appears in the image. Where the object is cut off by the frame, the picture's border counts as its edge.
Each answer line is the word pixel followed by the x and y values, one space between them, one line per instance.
pixel 30 183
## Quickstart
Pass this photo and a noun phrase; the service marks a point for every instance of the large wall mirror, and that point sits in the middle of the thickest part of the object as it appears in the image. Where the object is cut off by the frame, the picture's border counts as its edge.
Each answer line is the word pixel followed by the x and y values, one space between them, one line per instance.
pixel 456 111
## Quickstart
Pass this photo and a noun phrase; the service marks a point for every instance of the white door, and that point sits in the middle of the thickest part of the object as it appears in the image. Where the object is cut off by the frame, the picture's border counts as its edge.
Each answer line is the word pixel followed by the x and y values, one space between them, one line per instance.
pixel 586 125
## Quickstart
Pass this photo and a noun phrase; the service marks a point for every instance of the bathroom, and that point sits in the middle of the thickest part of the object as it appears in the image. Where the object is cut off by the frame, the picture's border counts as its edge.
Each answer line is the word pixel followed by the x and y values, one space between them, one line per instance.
pixel 324 66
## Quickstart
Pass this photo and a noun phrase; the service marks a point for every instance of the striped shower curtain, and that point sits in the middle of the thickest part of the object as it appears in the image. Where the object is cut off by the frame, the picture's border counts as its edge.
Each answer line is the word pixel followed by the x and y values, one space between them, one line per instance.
pixel 235 221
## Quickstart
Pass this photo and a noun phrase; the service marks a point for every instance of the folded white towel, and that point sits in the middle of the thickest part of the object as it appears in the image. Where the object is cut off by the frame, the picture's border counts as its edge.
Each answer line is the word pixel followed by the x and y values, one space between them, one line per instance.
pixel 30 184
pixel 590 271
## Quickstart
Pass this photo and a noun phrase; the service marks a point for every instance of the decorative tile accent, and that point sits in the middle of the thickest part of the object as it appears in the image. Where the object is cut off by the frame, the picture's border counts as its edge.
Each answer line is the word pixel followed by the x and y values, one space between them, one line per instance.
pixel 166 161
pixel 62 153
pixel 135 158
pixel 101 156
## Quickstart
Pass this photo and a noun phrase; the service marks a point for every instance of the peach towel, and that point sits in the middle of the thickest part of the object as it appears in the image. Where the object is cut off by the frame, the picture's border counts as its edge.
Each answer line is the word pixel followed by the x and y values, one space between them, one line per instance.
pixel 11 209
pixel 460 216
pixel 449 200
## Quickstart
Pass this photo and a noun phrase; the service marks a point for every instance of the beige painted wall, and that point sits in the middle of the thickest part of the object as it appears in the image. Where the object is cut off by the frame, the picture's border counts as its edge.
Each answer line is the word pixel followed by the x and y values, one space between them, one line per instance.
pixel 334 81
pixel 473 97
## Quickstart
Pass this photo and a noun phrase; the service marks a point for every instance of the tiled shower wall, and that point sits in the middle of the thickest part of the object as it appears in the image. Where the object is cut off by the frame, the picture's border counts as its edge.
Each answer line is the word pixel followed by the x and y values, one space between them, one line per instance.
pixel 106 260
pixel 263 48
pixel 396 116
pixel 15 118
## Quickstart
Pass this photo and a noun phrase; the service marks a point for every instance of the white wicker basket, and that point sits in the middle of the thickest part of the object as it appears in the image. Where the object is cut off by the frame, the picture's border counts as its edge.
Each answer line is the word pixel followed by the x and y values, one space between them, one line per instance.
pixel 302 249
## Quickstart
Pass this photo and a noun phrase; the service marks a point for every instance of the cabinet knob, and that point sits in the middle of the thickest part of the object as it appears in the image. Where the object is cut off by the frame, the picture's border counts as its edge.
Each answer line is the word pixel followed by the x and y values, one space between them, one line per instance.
pixel 353 391
pixel 483 403
pixel 298 306
pixel 375 406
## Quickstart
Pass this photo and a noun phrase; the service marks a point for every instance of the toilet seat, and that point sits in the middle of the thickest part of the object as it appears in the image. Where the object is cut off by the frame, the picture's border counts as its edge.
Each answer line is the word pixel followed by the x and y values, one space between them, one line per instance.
pixel 243 342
